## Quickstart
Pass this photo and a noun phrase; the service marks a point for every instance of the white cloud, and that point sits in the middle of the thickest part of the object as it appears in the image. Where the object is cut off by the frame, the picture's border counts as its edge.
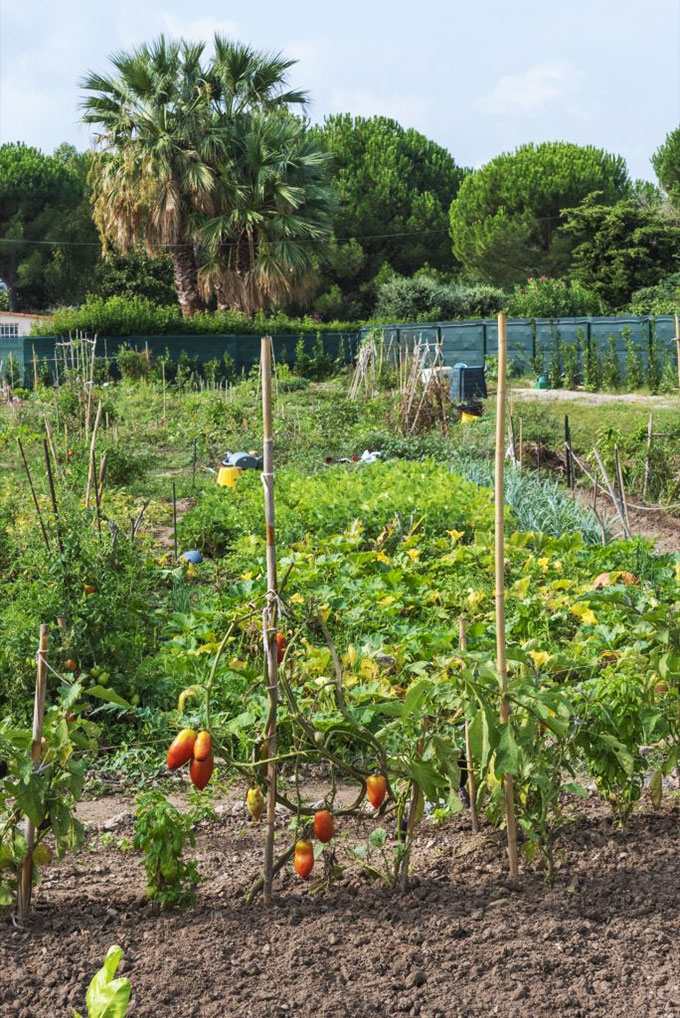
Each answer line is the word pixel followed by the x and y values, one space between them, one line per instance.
pixel 409 111
pixel 531 91
pixel 200 29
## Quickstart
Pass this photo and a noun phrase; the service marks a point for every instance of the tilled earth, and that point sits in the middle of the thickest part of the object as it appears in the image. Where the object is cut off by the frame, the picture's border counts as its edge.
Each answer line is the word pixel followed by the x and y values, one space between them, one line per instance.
pixel 601 941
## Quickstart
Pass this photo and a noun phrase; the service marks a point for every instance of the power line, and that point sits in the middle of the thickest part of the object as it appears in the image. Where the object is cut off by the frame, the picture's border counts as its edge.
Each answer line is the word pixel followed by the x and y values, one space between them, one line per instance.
pixel 325 240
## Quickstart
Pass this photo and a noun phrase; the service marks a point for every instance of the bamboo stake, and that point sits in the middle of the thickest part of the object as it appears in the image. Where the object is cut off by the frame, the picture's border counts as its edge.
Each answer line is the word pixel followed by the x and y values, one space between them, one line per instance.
pixel 648 457
pixel 102 476
pixel 90 468
pixel 25 887
pixel 521 443
pixel 270 612
pixel 622 489
pixel 472 789
pixel 612 493
pixel 174 520
pixel 53 494
pixel 35 497
pixel 500 583
pixel 53 448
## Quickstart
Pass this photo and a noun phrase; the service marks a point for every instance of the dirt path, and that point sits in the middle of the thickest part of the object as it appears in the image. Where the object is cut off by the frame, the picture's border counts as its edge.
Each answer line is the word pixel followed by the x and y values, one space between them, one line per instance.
pixel 602 941
pixel 596 398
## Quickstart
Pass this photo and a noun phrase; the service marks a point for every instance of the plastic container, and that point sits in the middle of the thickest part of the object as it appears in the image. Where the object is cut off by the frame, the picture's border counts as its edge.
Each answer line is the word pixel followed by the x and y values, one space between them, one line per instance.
pixel 228 476
pixel 467 418
pixel 541 382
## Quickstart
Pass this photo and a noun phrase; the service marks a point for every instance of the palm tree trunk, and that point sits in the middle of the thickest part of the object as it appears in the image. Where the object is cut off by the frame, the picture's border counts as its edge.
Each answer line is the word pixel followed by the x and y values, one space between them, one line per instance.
pixel 186 278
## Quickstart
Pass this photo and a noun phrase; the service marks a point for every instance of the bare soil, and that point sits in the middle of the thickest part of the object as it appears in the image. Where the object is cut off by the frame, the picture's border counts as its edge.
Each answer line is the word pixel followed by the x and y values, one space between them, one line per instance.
pixel 596 398
pixel 463 942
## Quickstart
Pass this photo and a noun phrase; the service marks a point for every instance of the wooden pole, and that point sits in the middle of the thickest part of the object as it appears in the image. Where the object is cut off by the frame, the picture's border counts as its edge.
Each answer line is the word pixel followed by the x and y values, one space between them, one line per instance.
pixel 648 457
pixel 622 490
pixel 271 611
pixel 90 468
pixel 612 494
pixel 174 520
pixel 521 443
pixel 500 582
pixel 53 494
pixel 35 497
pixel 472 787
pixel 25 886
pixel 570 462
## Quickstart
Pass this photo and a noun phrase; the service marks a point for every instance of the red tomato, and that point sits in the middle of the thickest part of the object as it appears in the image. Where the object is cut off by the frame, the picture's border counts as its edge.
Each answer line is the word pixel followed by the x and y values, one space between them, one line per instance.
pixel 70 665
pixel 200 772
pixel 181 748
pixel 280 646
pixel 304 858
pixel 324 828
pixel 376 789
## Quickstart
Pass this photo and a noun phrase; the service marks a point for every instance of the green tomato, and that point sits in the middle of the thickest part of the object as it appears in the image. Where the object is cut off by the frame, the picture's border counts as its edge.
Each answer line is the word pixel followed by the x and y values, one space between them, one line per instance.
pixel 103 678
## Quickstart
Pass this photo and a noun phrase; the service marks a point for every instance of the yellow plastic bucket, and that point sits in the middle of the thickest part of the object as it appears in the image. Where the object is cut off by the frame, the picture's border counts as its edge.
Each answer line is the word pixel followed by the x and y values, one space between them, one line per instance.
pixel 227 476
pixel 466 418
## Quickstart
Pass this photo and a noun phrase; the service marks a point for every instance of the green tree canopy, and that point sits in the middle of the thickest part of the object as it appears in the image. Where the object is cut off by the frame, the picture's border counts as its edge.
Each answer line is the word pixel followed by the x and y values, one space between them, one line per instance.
pixel 505 219
pixel 621 249
pixel 48 244
pixel 666 163
pixel 389 181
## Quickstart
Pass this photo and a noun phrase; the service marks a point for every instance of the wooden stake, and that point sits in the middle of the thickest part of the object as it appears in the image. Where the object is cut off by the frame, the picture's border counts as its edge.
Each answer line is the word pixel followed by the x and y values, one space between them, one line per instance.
pixel 35 497
pixel 570 462
pixel 612 493
pixel 102 477
pixel 174 520
pixel 472 788
pixel 271 612
pixel 648 457
pixel 90 469
pixel 500 583
pixel 53 494
pixel 622 490
pixel 25 886
pixel 521 443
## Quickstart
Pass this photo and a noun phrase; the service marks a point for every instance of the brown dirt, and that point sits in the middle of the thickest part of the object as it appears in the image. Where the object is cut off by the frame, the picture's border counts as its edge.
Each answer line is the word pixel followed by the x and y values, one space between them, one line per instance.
pixel 596 398
pixel 602 941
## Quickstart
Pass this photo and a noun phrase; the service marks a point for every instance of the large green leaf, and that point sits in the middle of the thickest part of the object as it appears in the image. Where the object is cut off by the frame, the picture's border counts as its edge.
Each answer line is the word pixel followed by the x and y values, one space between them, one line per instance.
pixel 507 752
pixel 108 997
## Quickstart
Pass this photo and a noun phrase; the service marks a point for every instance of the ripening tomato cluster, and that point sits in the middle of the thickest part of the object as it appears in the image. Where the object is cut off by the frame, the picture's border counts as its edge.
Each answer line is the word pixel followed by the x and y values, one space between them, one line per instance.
pixel 324 827
pixel 197 747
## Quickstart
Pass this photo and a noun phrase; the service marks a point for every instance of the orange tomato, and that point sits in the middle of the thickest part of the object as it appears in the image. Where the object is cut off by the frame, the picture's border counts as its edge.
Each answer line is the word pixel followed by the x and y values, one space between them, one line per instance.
pixel 304 858
pixel 202 746
pixel 324 828
pixel 200 772
pixel 70 665
pixel 181 749
pixel 376 789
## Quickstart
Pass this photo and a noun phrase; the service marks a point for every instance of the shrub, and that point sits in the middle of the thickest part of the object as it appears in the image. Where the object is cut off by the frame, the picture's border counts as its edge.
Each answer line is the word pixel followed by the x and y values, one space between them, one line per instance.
pixel 662 299
pixel 543 297
pixel 138 316
pixel 425 299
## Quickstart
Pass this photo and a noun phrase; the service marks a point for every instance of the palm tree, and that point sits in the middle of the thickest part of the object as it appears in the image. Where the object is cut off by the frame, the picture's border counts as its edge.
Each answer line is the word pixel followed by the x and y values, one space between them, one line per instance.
pixel 274 207
pixel 164 122
pixel 157 145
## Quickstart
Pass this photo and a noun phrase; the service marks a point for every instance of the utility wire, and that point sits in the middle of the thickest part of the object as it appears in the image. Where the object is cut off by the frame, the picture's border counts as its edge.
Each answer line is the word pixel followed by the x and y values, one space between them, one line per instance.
pixel 325 240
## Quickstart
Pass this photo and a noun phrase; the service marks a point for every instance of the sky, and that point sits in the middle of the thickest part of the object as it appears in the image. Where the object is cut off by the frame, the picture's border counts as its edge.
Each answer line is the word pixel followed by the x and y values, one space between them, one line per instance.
pixel 479 78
